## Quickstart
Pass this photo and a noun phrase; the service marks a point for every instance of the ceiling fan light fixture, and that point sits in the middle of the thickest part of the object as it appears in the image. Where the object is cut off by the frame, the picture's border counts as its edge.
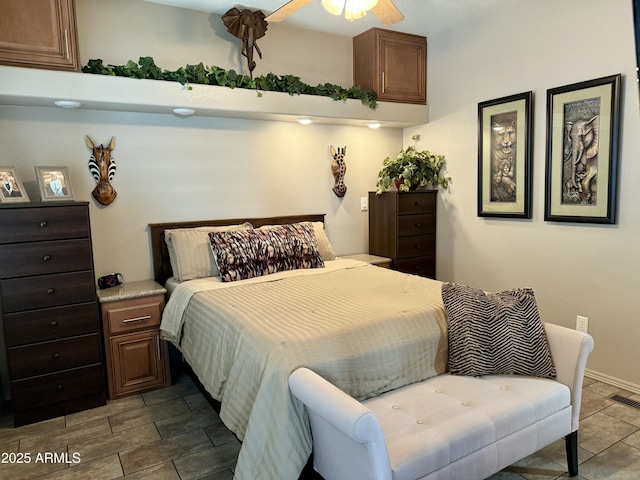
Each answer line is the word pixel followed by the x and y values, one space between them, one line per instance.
pixel 334 7
pixel 353 9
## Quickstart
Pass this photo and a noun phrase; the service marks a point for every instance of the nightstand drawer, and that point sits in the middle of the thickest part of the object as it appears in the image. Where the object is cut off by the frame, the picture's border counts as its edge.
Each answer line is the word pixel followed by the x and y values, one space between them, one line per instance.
pixel 25 259
pixel 424 266
pixel 44 223
pixel 53 356
pixel 132 315
pixel 29 293
pixel 51 323
pixel 416 202
pixel 413 225
pixel 57 387
pixel 419 246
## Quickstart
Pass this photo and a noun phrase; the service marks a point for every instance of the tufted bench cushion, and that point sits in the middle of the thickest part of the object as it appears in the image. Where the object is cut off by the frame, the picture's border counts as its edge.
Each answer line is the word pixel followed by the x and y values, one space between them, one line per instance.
pixel 458 423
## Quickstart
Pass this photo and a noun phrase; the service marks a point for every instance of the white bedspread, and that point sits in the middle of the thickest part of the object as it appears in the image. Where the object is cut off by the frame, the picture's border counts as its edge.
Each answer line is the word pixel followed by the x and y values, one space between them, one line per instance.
pixel 366 329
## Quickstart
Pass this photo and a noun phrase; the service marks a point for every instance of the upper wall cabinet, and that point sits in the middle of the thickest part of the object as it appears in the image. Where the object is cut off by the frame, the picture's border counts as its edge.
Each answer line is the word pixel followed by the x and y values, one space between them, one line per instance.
pixel 39 33
pixel 393 64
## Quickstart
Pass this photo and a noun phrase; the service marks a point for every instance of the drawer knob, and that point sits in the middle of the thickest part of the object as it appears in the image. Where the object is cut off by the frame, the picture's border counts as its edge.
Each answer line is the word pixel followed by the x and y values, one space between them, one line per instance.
pixel 59 387
pixel 46 258
pixel 53 323
pixel 43 223
pixel 56 356
pixel 417 203
pixel 417 246
pixel 418 225
pixel 49 291
pixel 418 267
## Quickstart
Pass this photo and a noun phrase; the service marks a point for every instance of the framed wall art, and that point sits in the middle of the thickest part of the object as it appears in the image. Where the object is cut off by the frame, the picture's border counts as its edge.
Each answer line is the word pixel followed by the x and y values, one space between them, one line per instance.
pixel 54 184
pixel 582 151
pixel 504 156
pixel 12 189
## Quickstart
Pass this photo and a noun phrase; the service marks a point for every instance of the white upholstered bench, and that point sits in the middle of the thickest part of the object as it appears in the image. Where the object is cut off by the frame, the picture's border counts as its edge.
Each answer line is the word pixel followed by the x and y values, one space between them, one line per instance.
pixel 447 427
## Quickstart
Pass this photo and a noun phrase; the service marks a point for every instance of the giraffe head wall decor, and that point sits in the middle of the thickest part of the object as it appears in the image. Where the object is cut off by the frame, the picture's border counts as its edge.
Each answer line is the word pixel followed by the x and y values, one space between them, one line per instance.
pixel 339 170
pixel 103 168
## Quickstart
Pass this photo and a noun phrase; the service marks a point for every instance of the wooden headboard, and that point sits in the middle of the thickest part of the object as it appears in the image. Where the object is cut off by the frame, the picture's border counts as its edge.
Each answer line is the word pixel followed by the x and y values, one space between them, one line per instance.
pixel 160 255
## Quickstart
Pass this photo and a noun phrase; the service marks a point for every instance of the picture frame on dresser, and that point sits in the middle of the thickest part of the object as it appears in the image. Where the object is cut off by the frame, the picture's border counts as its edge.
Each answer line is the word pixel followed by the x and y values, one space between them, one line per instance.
pixel 504 156
pixel 12 189
pixel 54 183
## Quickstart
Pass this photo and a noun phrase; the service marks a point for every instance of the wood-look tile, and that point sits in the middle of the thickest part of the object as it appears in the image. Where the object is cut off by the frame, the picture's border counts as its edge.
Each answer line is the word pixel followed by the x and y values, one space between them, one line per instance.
pixel 11 433
pixel 113 407
pixel 208 462
pixel 224 475
pixel 115 442
pixel 164 471
pixel 105 468
pixel 219 434
pixel 163 450
pixel 35 467
pixel 178 390
pixel 49 441
pixel 139 416
pixel 197 402
pixel 187 422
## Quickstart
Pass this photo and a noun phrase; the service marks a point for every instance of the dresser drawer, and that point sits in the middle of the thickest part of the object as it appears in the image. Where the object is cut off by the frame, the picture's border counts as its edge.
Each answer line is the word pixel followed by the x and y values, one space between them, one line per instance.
pixel 416 246
pixel 413 225
pixel 24 259
pixel 416 202
pixel 27 293
pixel 423 266
pixel 132 315
pixel 51 323
pixel 55 356
pixel 57 387
pixel 44 223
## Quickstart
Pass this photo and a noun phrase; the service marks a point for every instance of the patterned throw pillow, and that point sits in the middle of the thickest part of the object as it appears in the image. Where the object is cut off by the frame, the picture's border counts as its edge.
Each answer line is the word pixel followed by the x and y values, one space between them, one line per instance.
pixel 495 333
pixel 253 253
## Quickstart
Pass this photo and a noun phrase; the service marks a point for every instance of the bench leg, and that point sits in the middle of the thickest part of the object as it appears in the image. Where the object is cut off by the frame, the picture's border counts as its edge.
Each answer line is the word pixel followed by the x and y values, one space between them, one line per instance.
pixel 571 442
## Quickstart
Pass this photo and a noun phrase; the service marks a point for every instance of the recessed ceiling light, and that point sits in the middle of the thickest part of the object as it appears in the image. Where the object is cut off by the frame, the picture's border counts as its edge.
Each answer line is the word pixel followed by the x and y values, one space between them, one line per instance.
pixel 374 125
pixel 67 104
pixel 184 112
pixel 304 120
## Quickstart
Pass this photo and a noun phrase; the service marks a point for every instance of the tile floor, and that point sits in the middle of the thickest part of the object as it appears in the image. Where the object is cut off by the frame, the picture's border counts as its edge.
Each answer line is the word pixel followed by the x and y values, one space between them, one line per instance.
pixel 173 433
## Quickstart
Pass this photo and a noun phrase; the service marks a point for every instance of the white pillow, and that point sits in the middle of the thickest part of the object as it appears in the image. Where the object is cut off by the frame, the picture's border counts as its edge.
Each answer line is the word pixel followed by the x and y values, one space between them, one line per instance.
pixel 190 251
pixel 324 245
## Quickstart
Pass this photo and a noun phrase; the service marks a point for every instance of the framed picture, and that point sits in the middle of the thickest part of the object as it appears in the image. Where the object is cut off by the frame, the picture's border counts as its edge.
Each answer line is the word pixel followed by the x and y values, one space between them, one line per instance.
pixel 12 189
pixel 54 183
pixel 582 151
pixel 504 156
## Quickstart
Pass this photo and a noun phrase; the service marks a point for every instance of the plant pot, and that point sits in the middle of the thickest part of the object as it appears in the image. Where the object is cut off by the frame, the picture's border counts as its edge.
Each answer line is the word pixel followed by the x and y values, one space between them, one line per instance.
pixel 400 181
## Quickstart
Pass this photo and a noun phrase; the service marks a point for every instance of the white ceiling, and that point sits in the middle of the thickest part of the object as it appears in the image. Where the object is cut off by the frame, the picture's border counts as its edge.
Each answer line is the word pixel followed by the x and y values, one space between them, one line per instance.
pixel 422 17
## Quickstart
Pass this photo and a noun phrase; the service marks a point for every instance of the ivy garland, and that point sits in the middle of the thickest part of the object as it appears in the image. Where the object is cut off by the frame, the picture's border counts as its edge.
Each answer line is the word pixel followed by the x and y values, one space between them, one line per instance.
pixel 202 74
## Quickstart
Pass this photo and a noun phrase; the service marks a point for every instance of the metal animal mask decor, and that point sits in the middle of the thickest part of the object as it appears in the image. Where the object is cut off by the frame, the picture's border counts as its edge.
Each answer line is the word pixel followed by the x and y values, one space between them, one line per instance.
pixel 339 170
pixel 248 26
pixel 103 168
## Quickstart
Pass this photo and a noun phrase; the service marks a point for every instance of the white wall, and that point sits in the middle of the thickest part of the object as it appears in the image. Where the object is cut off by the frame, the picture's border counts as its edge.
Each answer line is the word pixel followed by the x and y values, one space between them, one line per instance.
pixel 591 270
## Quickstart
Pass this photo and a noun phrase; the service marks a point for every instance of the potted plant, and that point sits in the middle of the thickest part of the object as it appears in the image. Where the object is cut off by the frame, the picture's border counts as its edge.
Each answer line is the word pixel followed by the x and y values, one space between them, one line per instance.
pixel 410 169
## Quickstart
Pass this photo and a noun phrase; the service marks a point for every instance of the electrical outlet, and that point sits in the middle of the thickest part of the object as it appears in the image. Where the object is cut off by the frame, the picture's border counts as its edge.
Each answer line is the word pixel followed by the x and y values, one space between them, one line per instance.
pixel 582 324
pixel 364 204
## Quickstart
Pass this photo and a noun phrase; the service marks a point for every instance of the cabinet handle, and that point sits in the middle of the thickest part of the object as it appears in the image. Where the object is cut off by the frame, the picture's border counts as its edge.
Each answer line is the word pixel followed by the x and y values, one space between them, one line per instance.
pixel 382 82
pixel 137 319
pixel 46 258
pixel 49 291
pixel 66 43
pixel 43 224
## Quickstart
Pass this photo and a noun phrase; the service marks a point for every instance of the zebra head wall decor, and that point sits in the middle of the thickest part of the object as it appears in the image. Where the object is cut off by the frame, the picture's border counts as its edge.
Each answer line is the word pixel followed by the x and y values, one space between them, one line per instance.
pixel 339 170
pixel 103 168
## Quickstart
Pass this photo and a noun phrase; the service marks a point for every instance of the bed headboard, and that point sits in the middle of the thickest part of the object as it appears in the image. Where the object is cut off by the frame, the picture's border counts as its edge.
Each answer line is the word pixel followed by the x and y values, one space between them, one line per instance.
pixel 160 254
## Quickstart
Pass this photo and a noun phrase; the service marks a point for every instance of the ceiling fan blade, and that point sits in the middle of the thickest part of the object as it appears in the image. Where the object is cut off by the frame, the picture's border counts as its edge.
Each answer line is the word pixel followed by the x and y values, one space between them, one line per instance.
pixel 286 10
pixel 387 12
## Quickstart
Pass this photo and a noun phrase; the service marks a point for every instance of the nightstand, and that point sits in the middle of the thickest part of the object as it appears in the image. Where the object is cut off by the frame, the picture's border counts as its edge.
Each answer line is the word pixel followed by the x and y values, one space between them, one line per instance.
pixel 137 360
pixel 383 262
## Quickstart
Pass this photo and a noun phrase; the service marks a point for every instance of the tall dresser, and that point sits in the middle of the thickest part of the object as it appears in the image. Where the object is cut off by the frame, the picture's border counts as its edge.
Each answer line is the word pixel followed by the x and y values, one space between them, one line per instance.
pixel 49 310
pixel 402 226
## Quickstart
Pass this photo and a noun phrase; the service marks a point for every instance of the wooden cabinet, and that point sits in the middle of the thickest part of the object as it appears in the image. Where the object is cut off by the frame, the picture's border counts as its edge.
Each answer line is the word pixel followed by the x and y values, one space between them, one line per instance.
pixel 49 310
pixel 137 360
pixel 402 226
pixel 39 33
pixel 393 64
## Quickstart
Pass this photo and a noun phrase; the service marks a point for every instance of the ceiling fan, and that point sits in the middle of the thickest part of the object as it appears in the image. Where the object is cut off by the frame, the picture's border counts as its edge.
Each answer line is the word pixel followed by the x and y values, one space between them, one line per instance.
pixel 385 10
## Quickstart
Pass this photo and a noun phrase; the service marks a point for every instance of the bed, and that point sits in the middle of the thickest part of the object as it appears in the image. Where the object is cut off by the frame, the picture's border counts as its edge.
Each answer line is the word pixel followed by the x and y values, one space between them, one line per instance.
pixel 364 328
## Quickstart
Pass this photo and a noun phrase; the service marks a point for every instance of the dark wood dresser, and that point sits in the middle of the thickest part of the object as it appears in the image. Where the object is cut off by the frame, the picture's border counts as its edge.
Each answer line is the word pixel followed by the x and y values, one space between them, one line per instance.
pixel 49 310
pixel 402 226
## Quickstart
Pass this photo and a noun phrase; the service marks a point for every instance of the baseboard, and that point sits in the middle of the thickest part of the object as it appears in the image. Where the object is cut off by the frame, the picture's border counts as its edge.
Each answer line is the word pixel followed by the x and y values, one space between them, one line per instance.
pixel 616 382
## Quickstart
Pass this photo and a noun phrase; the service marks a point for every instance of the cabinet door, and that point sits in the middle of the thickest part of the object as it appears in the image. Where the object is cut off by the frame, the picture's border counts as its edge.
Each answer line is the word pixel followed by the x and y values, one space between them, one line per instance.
pixel 137 363
pixel 402 68
pixel 39 33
